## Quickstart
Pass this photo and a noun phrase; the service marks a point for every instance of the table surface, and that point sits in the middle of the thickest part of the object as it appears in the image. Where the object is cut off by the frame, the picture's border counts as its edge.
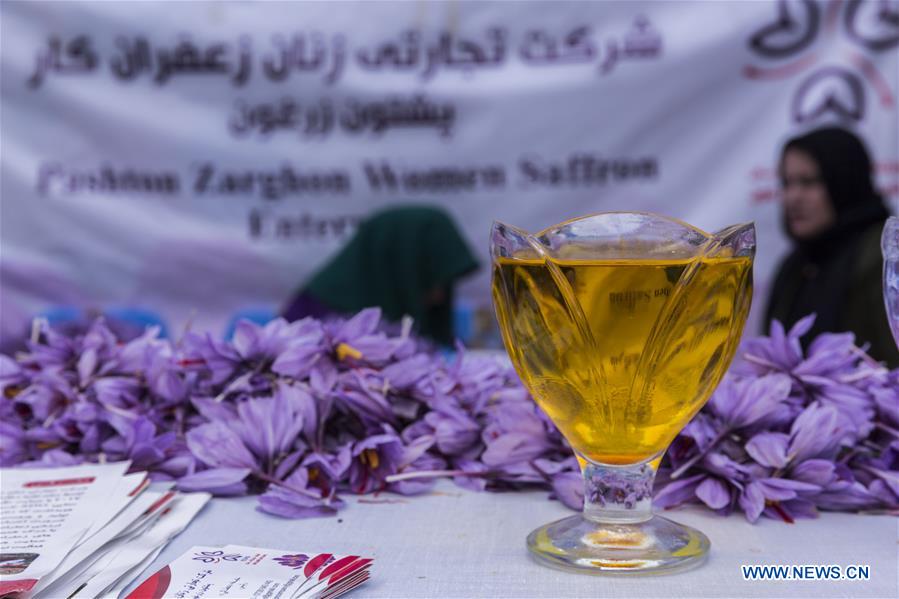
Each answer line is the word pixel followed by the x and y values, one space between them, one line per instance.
pixel 457 543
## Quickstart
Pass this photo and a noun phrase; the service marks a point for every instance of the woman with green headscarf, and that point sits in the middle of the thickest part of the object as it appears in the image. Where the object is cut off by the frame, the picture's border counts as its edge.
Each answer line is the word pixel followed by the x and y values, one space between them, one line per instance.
pixel 405 260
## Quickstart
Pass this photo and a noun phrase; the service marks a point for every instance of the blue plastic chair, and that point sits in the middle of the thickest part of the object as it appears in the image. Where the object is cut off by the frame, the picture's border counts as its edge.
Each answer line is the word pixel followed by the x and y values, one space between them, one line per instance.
pixel 135 318
pixel 59 315
pixel 463 321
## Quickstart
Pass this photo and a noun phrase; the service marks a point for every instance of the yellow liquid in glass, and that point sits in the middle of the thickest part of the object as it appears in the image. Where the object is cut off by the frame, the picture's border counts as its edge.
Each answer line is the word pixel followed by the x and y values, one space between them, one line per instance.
pixel 624 374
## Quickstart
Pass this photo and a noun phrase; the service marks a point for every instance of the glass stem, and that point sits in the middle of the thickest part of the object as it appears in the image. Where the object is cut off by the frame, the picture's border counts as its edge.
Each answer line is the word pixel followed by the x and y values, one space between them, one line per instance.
pixel 618 494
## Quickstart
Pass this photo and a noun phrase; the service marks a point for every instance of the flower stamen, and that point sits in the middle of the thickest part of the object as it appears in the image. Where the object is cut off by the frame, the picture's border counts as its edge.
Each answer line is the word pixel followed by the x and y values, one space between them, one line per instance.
pixel 345 350
pixel 369 458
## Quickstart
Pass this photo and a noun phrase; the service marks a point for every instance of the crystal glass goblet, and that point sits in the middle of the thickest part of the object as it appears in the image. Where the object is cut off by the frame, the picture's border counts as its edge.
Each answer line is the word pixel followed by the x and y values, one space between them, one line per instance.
pixel 621 325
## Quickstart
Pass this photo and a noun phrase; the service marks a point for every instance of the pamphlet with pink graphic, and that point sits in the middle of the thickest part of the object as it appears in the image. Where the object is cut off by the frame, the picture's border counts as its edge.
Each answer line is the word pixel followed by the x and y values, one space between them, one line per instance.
pixel 250 572
pixel 46 513
pixel 84 531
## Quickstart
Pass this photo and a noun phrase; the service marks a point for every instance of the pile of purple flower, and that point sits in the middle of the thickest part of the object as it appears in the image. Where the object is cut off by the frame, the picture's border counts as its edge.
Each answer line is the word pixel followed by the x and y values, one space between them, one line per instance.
pixel 299 413
pixel 789 432
pixel 302 413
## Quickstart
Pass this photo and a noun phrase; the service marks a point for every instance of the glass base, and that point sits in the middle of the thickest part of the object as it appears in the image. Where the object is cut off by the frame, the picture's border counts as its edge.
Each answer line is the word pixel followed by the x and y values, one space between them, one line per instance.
pixel 654 546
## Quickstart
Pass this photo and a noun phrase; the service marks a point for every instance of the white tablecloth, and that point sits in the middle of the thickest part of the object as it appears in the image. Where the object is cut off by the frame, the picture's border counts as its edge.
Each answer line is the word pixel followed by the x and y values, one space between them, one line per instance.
pixel 456 543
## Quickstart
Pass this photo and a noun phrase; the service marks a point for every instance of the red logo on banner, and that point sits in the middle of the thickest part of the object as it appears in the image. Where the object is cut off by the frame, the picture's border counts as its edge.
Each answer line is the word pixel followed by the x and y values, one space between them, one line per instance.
pixel 836 90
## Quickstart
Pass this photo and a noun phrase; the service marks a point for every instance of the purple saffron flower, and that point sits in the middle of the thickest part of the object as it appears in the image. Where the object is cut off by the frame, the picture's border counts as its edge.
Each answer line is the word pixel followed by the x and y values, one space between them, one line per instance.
pixel 219 481
pixel 471 474
pixel 165 380
pixel 714 492
pixel 779 352
pixel 363 393
pixel 363 340
pixel 425 464
pixel 769 449
pixel 678 492
pixel 134 355
pixel 295 498
pixel 327 470
pixel 46 398
pixel 881 475
pixel 886 401
pixel 217 445
pixel 268 426
pixel 855 408
pixel 298 358
pixel 778 498
pixel 374 459
pixel 416 467
pixel 303 406
pixel 212 410
pixel 323 377
pixel 828 354
pixel 455 432
pixel 117 393
pixel 740 403
pixel 55 458
pixel 406 373
pixel 848 495
pixel 13 378
pixel 51 350
pixel 808 476
pixel 568 487
pixel 218 359
pixel 13 445
pixel 516 435
pixel 179 465
pixel 815 434
pixel 138 441
pixel 254 342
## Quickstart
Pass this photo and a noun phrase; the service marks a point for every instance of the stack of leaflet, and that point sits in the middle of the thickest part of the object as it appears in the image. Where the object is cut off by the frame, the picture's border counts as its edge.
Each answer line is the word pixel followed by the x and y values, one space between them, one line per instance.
pixel 252 572
pixel 84 531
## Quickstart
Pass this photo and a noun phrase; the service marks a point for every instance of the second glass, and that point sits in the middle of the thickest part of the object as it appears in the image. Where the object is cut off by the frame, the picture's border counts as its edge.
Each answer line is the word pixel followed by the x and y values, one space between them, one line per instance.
pixel 890 246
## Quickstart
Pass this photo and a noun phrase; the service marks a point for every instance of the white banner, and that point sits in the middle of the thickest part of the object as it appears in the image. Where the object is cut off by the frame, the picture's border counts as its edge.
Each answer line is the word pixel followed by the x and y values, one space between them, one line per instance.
pixel 206 157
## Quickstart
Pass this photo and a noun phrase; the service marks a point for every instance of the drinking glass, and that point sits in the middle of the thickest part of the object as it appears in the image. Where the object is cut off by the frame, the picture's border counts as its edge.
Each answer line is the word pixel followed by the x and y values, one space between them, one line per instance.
pixel 890 245
pixel 621 324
